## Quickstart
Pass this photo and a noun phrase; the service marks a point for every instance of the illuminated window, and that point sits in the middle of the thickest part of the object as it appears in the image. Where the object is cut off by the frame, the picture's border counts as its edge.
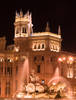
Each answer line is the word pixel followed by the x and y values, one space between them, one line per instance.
pixel 17 31
pixel 38 46
pixel 1 59
pixel 55 48
pixel 23 30
pixel 51 47
pixel 38 69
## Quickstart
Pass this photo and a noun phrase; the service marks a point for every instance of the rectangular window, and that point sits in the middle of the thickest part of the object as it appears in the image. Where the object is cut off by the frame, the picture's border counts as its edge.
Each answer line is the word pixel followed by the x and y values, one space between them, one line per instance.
pixel 11 71
pixel 16 70
pixel 1 68
pixel 8 70
pixel 23 30
pixel 7 89
pixel 42 58
pixel 35 58
pixel 38 69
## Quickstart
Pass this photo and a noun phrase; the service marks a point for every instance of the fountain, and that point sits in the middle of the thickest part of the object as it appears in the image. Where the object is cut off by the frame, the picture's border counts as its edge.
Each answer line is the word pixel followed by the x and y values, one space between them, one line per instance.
pixel 23 75
pixel 31 86
pixel 60 86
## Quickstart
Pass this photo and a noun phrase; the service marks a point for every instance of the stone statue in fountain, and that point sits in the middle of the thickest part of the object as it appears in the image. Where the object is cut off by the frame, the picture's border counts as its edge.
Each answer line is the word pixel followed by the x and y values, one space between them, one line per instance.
pixel 35 89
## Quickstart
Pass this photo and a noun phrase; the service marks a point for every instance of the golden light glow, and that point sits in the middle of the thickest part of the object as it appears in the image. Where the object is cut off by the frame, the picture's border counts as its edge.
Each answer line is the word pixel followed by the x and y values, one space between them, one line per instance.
pixel 46 33
pixel 38 45
pixel 17 49
pixel 60 59
pixel 64 58
pixel 1 59
pixel 71 58
pixel 54 83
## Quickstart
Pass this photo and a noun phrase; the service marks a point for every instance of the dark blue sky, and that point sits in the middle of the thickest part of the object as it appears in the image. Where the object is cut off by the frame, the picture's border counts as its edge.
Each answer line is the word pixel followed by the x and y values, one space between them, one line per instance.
pixel 57 12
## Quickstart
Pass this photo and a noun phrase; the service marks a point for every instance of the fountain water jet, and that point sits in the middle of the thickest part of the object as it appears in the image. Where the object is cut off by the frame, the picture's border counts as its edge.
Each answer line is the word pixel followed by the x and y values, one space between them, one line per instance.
pixel 24 74
pixel 58 87
pixel 58 79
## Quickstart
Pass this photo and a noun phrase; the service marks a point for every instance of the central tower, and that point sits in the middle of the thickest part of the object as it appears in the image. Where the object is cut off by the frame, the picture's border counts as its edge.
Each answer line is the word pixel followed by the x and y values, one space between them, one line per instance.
pixel 23 25
pixel 23 30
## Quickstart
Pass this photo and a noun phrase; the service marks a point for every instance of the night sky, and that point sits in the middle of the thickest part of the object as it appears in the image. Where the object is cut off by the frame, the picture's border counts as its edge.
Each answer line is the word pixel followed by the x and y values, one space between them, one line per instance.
pixel 56 12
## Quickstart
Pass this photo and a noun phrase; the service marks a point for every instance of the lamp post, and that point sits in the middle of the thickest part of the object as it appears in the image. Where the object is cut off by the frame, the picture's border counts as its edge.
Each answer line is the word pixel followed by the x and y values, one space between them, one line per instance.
pixel 70 67
pixel 66 61
pixel 61 61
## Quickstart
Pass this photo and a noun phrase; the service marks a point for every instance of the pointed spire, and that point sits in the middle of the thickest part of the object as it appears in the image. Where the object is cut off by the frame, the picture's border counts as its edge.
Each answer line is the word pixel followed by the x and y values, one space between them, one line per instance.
pixel 59 30
pixel 21 13
pixel 30 17
pixel 28 12
pixel 17 15
pixel 47 29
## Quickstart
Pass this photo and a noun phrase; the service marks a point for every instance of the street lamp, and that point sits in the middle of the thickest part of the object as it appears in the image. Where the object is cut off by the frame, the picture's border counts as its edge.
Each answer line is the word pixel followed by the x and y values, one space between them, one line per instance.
pixel 60 59
pixel 68 61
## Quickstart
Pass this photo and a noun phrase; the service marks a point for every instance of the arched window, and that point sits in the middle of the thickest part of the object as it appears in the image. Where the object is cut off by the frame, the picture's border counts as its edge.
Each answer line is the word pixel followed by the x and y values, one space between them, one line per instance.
pixel 42 46
pixel 34 46
pixel 55 47
pixel 58 48
pixel 51 47
pixel 39 46
pixel 17 30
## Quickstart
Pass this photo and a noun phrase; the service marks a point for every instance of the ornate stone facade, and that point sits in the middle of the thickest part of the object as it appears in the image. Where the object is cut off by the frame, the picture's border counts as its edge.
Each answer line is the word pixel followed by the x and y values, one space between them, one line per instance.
pixel 43 50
